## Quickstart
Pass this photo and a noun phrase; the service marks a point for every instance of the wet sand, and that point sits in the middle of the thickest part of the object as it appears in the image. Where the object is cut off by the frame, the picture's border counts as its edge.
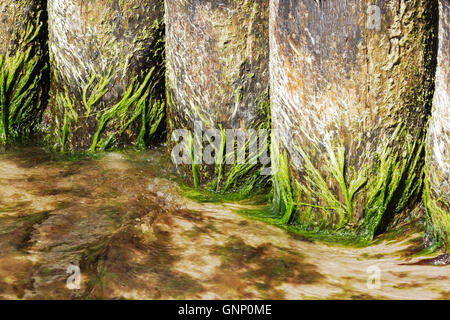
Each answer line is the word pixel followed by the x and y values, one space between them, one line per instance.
pixel 122 219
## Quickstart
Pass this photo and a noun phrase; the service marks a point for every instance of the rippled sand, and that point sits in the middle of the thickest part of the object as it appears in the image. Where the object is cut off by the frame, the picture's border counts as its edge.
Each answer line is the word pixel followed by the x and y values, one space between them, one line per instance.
pixel 122 219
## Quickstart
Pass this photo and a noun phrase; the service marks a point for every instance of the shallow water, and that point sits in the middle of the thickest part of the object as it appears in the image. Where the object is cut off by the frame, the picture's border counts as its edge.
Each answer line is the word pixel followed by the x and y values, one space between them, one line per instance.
pixel 122 219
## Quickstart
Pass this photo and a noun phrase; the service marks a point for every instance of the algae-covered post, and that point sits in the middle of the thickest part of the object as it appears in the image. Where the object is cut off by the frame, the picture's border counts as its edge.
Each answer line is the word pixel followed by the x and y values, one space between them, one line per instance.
pixel 22 65
pixel 351 87
pixel 217 78
pixel 107 73
pixel 437 188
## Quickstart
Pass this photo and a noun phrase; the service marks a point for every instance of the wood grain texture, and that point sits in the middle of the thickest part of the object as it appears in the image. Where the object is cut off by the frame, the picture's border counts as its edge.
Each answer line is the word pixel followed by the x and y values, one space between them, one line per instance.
pixel 15 15
pixel 93 41
pixel 217 64
pixel 23 75
pixel 350 102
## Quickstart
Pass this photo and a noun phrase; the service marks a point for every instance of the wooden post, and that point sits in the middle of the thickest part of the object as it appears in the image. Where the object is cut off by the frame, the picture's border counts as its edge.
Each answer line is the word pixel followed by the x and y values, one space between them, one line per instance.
pixel 437 188
pixel 107 73
pixel 22 67
pixel 351 85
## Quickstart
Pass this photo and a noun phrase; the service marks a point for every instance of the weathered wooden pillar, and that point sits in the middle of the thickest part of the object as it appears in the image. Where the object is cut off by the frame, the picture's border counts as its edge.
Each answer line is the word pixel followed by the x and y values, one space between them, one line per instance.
pixel 217 77
pixel 437 188
pixel 107 72
pixel 351 85
pixel 22 65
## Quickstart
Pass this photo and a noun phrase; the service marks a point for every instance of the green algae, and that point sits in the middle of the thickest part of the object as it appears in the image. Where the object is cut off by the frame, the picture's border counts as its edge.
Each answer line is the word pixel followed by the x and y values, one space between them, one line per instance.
pixel 438 221
pixel 311 208
pixel 389 186
pixel 137 107
pixel 21 74
pixel 134 265
pixel 351 176
pixel 235 93
pixel 223 182
pixel 107 89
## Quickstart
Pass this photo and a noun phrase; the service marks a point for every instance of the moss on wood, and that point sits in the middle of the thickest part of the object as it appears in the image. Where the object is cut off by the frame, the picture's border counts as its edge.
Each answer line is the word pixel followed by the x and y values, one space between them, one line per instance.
pixel 108 75
pixel 437 185
pixel 217 61
pixel 22 69
pixel 350 105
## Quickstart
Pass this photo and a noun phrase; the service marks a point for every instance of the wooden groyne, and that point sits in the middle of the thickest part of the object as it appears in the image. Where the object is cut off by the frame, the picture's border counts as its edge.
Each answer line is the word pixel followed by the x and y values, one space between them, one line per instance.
pixel 22 68
pixel 351 90
pixel 107 73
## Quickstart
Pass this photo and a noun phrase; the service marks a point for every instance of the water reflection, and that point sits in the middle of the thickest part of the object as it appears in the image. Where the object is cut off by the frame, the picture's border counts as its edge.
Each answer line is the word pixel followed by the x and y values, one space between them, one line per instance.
pixel 122 219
